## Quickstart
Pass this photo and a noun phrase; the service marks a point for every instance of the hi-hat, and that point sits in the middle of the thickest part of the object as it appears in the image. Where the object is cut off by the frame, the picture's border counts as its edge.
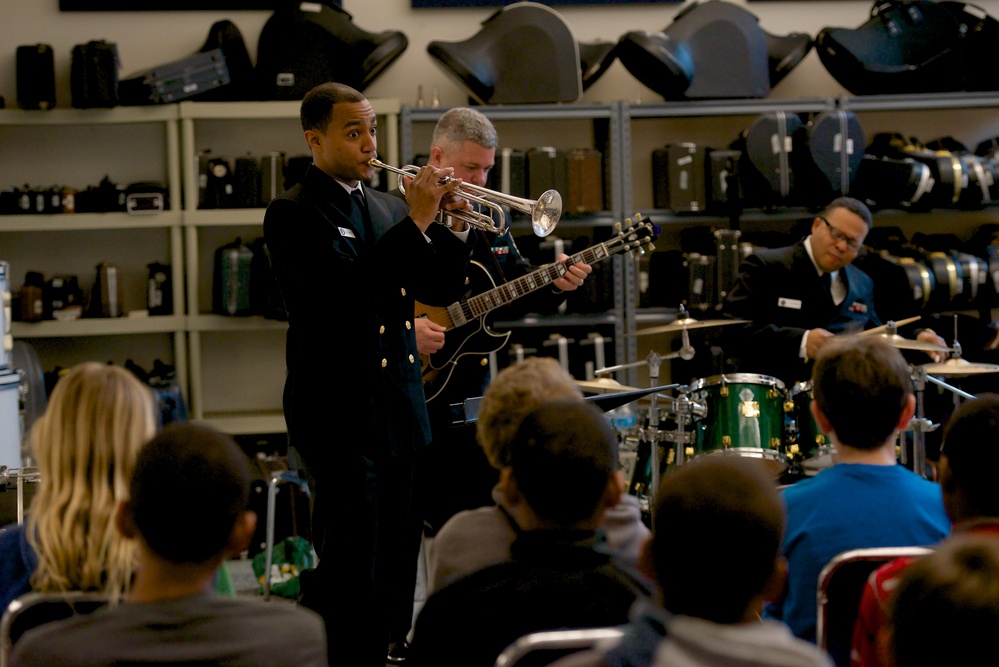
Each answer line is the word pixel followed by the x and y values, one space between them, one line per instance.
pixel 907 344
pixel 959 367
pixel 603 386
pixel 679 325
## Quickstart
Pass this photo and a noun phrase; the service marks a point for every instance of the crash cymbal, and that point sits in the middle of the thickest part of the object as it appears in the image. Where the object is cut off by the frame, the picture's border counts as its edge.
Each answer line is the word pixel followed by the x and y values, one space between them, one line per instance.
pixel 906 344
pixel 899 323
pixel 959 367
pixel 678 325
pixel 603 386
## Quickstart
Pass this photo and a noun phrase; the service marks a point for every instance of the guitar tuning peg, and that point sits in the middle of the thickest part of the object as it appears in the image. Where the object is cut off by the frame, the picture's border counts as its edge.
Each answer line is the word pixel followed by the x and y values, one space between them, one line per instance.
pixel 627 221
pixel 617 226
pixel 651 247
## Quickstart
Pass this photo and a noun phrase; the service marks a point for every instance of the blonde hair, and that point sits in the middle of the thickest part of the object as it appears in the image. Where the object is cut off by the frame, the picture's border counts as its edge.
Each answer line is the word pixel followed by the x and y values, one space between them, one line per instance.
pixel 86 443
pixel 513 394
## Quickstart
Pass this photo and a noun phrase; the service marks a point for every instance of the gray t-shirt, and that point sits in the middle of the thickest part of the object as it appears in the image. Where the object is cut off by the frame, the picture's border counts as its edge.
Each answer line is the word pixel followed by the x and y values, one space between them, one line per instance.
pixel 204 629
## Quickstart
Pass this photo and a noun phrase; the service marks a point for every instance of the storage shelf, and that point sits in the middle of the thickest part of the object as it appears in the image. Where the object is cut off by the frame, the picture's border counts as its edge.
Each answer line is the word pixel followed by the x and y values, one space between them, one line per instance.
pixel 210 322
pixel 224 217
pixel 726 107
pixel 246 423
pixel 87 221
pixel 114 116
pixel 111 326
pixel 264 110
pixel 920 102
pixel 518 112
pixel 576 320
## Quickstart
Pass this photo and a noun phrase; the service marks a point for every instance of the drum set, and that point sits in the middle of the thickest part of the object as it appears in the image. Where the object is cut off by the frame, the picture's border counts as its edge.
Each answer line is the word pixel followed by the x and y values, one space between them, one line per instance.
pixel 755 416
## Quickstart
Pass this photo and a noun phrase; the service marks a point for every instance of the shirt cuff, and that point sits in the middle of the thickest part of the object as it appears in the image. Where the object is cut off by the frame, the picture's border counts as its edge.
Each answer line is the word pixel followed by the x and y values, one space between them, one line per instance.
pixel 803 347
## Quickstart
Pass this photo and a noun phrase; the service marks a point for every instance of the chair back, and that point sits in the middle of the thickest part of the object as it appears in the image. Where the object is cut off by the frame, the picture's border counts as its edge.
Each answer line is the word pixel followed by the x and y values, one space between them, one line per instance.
pixel 841 584
pixel 34 609
pixel 543 648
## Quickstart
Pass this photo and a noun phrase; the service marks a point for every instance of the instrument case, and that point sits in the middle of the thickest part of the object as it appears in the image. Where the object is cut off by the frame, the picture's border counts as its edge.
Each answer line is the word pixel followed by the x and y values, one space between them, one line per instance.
pixel 585 175
pixel 905 284
pixel 679 175
pixel 35 77
pixel 176 81
pixel 93 75
pixel 546 170
pixel 231 287
pixel 836 146
pixel 271 176
pixel 884 182
pixel 772 154
pixel 246 183
pixel 724 185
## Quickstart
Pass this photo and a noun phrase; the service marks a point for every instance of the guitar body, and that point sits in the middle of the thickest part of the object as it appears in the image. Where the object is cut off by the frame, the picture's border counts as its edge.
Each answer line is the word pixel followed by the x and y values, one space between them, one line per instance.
pixel 467 345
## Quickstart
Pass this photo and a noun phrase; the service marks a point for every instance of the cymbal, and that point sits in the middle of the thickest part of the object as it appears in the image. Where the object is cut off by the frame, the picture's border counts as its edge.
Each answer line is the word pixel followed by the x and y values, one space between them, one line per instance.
pixel 678 325
pixel 899 323
pixel 959 367
pixel 906 344
pixel 603 386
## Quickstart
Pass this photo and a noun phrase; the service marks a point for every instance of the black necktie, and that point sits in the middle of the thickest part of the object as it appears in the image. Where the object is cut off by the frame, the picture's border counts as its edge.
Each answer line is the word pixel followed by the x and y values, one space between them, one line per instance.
pixel 827 281
pixel 362 219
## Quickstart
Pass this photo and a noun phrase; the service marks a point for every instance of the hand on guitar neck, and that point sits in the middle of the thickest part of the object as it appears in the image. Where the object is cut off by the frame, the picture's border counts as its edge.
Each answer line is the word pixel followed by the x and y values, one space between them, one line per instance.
pixel 430 335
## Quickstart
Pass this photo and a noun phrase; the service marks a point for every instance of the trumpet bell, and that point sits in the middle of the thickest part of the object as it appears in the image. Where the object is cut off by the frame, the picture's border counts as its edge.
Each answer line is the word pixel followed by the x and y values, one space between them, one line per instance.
pixel 546 213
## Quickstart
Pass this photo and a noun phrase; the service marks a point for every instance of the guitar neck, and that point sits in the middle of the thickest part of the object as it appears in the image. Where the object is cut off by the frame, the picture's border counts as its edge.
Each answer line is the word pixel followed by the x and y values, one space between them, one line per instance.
pixel 478 306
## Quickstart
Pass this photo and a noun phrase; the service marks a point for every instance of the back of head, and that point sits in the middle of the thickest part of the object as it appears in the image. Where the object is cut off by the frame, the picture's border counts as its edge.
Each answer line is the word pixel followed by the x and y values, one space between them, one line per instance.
pixel 317 105
pixel 512 394
pixel 462 124
pixel 190 485
pixel 563 456
pixel 855 206
pixel 707 513
pixel 972 456
pixel 86 443
pixel 945 608
pixel 862 385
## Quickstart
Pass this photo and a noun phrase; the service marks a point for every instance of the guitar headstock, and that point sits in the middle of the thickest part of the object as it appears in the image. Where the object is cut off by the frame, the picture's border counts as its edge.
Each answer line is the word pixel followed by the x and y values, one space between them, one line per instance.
pixel 634 234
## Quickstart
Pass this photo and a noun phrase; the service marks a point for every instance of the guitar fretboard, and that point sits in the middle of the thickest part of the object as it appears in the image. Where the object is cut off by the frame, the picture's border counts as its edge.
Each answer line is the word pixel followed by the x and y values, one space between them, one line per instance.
pixel 546 275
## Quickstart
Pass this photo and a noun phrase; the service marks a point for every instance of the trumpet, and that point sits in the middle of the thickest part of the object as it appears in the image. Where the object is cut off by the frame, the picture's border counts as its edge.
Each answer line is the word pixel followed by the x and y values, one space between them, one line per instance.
pixel 544 211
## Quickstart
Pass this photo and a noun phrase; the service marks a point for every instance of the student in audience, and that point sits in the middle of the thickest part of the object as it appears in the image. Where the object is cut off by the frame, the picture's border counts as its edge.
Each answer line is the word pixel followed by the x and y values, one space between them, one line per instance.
pixel 560 480
pixel 945 610
pixel 968 461
pixel 863 396
pixel 97 419
pixel 715 557
pixel 186 513
pixel 474 539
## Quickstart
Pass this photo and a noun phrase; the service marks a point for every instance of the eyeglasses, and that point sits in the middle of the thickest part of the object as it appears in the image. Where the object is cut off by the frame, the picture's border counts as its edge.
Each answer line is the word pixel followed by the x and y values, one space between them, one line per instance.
pixel 838 235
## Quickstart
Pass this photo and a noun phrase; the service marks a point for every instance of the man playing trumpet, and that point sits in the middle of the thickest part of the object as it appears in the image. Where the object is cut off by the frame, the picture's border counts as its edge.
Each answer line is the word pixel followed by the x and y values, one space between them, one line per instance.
pixel 349 262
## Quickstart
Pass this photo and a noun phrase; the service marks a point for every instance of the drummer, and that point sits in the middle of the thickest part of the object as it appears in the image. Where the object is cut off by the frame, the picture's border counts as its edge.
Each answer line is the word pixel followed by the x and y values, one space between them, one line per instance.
pixel 799 296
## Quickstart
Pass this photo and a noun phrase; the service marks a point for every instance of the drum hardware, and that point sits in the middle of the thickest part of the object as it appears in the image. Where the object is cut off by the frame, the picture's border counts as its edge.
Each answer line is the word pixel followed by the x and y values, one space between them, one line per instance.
pixel 682 407
pixel 561 343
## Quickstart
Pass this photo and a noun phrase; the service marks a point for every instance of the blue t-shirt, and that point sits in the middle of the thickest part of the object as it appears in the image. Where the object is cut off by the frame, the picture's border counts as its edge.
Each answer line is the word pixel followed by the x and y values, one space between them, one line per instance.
pixel 851 506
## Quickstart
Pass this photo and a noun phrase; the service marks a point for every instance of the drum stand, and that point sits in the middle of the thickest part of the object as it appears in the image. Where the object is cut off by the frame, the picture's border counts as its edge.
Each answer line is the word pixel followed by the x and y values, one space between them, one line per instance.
pixel 681 406
pixel 920 425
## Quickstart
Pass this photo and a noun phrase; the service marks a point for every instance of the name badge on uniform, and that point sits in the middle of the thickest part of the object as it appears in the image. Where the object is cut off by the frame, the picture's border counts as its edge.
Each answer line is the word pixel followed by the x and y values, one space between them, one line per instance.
pixel 349 233
pixel 789 303
pixel 858 307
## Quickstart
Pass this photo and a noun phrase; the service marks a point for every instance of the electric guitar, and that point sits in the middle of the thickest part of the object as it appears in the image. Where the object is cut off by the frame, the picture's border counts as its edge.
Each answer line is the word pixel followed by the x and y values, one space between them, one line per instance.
pixel 467 316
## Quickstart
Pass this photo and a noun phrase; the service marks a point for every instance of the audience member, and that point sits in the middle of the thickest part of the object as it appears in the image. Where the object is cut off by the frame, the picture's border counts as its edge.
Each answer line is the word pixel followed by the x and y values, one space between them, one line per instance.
pixel 187 514
pixel 968 461
pixel 474 539
pixel 946 607
pixel 863 397
pixel 560 480
pixel 706 512
pixel 97 419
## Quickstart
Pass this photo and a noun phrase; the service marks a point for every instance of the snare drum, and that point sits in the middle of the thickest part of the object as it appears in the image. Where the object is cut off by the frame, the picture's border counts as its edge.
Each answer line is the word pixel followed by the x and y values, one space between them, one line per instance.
pixel 745 417
pixel 808 448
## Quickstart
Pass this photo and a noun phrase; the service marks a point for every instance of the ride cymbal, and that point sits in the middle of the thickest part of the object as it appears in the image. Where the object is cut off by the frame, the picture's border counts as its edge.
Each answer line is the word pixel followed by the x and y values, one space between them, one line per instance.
pixel 959 367
pixel 679 325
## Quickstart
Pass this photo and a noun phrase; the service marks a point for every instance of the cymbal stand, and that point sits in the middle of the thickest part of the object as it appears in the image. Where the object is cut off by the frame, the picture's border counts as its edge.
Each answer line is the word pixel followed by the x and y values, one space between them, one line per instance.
pixel 920 425
pixel 682 407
